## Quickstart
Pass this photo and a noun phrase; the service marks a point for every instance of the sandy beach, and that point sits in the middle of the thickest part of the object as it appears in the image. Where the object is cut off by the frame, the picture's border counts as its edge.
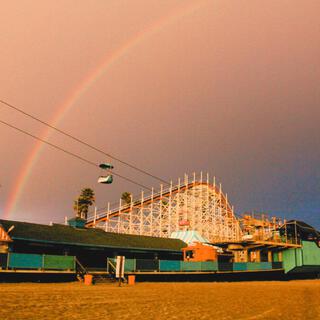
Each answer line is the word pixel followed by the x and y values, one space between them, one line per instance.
pixel 242 300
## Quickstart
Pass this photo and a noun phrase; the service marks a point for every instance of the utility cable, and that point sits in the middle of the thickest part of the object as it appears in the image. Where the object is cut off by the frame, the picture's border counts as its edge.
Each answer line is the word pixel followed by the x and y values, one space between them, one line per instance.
pixel 82 142
pixel 70 153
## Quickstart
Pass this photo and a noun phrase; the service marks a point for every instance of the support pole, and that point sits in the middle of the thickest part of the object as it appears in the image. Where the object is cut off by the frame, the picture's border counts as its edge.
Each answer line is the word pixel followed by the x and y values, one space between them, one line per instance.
pixel 227 217
pixel 246 256
pixel 141 213
pixel 120 203
pixel 216 229
pixel 186 183
pixel 170 210
pixel 130 215
pixel 280 256
pixel 258 255
pixel 151 213
pixel 95 217
pixel 160 218
pixel 286 231
pixel 178 205
pixel 120 270
pixel 208 233
pixel 220 213
pixel 107 220
pixel 202 215
pixel 194 225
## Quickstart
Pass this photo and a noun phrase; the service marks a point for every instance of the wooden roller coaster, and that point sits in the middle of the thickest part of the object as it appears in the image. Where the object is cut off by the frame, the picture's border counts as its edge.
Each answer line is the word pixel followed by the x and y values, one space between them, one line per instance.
pixel 196 204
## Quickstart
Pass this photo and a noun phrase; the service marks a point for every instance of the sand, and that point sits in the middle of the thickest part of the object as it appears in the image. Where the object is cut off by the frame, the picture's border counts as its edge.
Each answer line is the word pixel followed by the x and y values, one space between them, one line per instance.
pixel 238 300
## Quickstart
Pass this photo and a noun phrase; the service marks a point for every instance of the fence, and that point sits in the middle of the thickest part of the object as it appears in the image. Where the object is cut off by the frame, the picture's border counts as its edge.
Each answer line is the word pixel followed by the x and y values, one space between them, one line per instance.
pixel 144 265
pixel 36 261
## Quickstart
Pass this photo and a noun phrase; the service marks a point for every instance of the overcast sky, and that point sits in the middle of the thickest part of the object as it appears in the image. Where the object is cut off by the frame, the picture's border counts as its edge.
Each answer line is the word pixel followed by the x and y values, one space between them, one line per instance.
pixel 226 87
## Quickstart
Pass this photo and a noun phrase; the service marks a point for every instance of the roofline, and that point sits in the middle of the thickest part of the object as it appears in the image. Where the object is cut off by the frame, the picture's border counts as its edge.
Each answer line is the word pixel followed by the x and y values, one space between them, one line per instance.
pixel 92 245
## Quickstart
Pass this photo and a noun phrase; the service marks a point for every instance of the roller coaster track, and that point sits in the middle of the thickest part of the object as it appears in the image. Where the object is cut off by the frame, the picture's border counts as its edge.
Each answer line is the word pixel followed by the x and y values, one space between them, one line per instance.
pixel 195 205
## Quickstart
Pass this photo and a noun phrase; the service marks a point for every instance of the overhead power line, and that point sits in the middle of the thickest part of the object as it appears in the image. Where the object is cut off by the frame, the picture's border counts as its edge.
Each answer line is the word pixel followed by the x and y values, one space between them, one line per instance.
pixel 70 153
pixel 82 142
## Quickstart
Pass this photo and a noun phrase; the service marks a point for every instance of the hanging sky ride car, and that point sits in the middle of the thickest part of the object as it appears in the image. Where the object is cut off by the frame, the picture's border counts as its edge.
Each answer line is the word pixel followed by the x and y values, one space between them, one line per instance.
pixel 106 179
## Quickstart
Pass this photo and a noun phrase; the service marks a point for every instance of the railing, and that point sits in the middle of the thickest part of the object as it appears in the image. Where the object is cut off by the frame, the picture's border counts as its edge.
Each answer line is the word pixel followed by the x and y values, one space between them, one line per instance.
pixel 158 266
pixel 80 270
pixel 281 239
pixel 111 267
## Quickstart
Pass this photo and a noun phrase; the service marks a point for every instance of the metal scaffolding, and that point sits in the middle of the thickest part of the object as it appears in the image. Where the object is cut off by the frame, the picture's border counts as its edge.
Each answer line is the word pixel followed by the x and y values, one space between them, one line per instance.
pixel 192 204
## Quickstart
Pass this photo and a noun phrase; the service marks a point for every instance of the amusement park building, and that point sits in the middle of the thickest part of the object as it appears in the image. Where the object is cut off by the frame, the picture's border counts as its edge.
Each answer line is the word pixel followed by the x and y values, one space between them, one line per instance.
pixel 143 230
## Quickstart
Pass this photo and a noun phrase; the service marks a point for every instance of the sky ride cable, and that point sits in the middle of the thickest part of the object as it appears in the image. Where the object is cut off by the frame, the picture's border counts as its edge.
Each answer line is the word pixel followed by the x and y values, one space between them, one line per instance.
pixel 82 142
pixel 71 153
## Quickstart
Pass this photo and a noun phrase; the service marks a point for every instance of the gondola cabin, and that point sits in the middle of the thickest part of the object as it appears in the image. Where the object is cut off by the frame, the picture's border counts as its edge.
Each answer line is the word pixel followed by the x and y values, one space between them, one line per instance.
pixel 105 179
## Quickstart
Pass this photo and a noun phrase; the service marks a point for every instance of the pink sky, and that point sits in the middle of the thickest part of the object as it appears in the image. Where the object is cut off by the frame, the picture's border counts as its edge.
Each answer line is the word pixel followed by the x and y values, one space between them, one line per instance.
pixel 231 88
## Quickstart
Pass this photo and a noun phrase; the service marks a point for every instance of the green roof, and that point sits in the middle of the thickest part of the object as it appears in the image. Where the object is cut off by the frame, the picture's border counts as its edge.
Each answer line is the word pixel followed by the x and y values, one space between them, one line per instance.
pixel 62 234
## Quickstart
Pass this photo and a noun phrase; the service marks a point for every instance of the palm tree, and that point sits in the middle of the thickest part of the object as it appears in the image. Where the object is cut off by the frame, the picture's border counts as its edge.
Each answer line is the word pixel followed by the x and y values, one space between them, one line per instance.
pixel 126 197
pixel 83 202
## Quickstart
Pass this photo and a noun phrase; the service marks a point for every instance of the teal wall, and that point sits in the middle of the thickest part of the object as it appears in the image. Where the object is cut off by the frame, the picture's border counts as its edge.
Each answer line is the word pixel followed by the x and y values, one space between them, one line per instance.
pixel 190 266
pixel 129 265
pixel 25 261
pixel 291 259
pixel 298 260
pixel 209 266
pixel 259 265
pixel 311 253
pixel 58 262
pixel 38 261
pixel 169 265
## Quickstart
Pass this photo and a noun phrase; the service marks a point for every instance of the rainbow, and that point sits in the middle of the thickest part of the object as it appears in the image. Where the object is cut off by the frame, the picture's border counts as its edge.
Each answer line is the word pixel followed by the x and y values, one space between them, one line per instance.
pixel 81 88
